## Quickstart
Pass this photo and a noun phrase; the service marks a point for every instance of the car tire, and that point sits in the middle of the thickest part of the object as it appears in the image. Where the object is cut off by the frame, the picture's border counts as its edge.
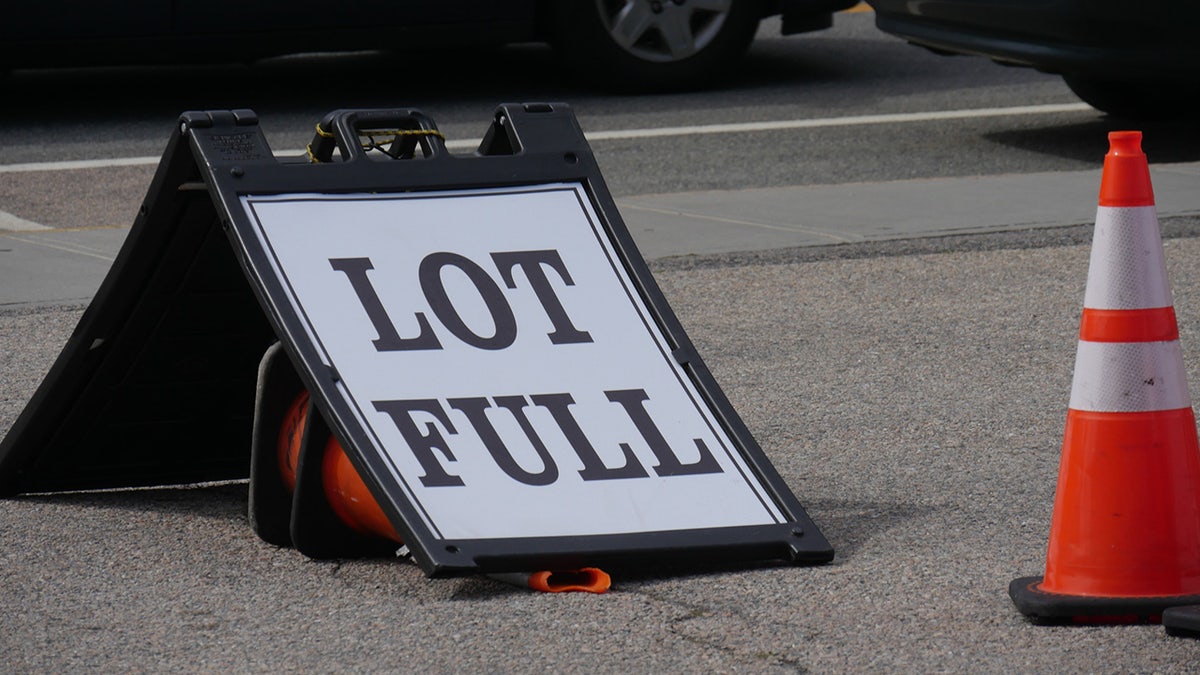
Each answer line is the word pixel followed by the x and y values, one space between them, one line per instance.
pixel 1141 100
pixel 653 45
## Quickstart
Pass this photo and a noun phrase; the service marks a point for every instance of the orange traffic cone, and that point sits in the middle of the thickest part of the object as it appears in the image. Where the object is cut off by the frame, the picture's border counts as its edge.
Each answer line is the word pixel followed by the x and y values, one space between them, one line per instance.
pixel 344 489
pixel 587 579
pixel 1125 533
pixel 350 499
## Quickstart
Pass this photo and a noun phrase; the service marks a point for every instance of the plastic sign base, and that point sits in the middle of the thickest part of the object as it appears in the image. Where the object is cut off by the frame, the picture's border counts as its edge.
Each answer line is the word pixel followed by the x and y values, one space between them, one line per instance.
pixel 479 333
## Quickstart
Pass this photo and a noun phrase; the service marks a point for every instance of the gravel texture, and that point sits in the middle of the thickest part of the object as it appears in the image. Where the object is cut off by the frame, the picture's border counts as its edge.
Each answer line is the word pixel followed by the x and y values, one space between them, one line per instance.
pixel 913 396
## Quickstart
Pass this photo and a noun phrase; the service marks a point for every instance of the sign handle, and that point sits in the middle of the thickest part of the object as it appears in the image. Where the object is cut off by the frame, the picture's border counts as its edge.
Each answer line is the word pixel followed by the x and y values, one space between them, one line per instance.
pixel 394 133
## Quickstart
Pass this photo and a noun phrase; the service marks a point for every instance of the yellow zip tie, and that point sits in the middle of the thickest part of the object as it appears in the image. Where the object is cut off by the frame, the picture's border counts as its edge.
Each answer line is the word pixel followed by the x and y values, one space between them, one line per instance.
pixel 387 132
pixel 371 134
pixel 402 132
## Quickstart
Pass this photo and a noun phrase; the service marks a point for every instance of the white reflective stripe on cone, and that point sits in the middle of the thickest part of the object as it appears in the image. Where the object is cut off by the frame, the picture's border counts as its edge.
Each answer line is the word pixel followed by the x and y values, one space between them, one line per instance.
pixel 1128 269
pixel 1129 377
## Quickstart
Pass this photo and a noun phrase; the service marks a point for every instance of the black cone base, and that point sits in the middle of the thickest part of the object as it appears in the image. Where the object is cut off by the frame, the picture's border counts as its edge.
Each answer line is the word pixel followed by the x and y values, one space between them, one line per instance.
pixel 1055 608
pixel 1182 621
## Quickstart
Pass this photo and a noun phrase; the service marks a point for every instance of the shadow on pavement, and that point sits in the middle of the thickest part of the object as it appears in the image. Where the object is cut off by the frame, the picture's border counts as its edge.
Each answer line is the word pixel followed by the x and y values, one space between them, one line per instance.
pixel 1164 142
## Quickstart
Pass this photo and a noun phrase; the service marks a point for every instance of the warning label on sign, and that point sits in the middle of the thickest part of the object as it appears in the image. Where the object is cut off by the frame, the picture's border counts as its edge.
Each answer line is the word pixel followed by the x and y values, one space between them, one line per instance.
pixel 508 371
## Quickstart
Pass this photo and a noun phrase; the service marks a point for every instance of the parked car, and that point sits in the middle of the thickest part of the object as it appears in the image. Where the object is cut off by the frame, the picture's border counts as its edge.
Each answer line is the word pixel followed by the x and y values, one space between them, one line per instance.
pixel 1129 59
pixel 622 44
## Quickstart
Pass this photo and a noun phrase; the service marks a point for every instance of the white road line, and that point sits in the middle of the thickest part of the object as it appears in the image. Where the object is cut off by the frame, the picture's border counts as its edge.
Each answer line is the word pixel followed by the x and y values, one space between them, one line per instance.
pixel 11 223
pixel 78 164
pixel 857 120
pixel 61 246
pixel 691 130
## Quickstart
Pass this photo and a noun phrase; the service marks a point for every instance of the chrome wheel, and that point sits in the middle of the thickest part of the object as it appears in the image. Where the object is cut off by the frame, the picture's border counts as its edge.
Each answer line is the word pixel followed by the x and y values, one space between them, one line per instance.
pixel 663 31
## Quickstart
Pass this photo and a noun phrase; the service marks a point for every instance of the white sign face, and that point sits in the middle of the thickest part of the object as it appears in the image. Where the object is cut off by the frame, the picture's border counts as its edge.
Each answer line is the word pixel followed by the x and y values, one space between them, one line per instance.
pixel 493 346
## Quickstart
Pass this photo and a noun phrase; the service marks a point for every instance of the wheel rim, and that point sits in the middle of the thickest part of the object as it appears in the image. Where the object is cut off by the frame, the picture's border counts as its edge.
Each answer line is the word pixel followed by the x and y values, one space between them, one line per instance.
pixel 663 30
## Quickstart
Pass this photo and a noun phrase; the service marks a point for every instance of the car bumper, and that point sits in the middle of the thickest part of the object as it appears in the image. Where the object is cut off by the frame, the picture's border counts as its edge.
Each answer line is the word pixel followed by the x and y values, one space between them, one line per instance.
pixel 801 16
pixel 1098 39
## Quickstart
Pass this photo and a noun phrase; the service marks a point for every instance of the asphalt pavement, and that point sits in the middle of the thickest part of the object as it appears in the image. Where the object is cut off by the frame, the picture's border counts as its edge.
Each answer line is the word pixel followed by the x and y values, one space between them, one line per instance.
pixel 902 352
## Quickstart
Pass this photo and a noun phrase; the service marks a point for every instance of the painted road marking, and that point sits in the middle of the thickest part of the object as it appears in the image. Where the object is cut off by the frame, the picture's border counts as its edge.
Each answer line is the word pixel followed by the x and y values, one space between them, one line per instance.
pixel 13 223
pixel 661 132
pixel 67 247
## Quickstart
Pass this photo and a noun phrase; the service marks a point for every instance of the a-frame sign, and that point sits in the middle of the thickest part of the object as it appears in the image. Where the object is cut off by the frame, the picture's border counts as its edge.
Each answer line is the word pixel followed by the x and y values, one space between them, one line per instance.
pixel 479 332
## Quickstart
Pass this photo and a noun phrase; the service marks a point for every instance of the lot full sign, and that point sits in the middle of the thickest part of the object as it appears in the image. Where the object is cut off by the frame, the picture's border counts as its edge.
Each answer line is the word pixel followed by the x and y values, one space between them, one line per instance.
pixel 502 361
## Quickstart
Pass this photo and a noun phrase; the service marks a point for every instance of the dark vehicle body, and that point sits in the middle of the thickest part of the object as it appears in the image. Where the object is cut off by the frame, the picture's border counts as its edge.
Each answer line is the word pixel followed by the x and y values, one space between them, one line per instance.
pixel 634 44
pixel 1136 59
